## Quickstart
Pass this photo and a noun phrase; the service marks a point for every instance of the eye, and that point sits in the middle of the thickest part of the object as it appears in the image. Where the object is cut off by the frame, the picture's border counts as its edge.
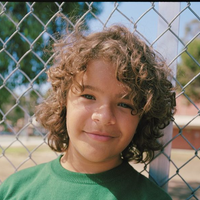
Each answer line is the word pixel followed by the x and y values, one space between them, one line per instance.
pixel 124 105
pixel 88 96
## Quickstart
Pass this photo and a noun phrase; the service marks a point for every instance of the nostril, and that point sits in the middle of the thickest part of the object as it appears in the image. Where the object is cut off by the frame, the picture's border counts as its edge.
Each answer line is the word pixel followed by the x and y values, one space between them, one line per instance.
pixel 104 115
pixel 95 116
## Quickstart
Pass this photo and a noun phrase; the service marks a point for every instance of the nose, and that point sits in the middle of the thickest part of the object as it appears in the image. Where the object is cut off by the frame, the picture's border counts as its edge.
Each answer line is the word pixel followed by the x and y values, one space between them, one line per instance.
pixel 104 115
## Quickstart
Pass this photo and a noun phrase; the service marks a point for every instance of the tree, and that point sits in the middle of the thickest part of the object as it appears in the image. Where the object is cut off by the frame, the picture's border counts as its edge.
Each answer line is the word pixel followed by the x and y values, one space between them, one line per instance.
pixel 189 67
pixel 26 30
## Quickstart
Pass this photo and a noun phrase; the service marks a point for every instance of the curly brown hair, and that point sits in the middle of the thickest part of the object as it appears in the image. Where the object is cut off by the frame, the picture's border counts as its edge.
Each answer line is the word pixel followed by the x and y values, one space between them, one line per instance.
pixel 138 66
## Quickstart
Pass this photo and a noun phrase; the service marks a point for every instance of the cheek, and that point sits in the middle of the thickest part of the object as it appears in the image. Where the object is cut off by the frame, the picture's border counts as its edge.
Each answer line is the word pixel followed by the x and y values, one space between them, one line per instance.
pixel 76 117
pixel 130 126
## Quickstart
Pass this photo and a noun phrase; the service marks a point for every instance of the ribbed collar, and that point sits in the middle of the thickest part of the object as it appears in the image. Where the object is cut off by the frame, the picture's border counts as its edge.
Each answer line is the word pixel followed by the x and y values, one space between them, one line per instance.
pixel 114 174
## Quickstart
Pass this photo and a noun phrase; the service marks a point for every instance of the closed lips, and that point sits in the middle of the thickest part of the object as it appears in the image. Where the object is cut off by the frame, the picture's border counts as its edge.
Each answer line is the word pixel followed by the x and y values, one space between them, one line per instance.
pixel 99 136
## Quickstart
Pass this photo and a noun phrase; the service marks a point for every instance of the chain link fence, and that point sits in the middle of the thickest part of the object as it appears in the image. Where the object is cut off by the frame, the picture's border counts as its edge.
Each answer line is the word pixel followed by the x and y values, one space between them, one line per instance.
pixel 23 62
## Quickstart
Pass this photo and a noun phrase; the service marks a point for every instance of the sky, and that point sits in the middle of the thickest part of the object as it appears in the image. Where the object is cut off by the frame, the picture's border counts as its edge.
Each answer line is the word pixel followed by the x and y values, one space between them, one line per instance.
pixel 148 24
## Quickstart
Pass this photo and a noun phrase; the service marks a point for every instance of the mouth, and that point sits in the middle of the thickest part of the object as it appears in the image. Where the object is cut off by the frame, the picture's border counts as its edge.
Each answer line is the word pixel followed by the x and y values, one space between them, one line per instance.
pixel 99 136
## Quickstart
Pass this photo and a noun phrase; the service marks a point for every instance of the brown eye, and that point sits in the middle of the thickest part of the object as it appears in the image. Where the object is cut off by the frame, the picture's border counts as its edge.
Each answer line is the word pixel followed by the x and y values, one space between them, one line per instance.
pixel 88 96
pixel 124 105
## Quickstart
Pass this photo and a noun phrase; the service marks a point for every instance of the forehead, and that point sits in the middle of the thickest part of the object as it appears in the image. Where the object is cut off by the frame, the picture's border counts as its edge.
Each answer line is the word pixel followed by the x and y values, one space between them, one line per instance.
pixel 101 74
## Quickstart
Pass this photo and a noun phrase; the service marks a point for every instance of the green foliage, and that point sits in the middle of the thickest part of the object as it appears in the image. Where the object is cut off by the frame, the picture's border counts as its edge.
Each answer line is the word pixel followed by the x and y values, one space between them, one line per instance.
pixel 189 68
pixel 28 36
pixel 27 29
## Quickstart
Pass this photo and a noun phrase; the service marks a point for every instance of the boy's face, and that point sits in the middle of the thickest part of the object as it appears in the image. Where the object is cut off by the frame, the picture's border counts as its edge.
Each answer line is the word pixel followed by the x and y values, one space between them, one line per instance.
pixel 99 121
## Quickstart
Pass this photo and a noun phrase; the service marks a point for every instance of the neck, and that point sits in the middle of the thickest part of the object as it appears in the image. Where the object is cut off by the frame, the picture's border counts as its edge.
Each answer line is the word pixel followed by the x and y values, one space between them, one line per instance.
pixel 76 164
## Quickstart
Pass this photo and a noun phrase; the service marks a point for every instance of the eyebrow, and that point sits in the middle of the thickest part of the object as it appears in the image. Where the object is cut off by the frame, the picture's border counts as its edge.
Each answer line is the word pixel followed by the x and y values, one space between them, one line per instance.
pixel 90 87
pixel 96 89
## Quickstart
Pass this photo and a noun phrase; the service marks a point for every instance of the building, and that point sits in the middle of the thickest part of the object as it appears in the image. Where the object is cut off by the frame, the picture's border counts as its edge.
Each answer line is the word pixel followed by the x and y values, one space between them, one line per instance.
pixel 186 129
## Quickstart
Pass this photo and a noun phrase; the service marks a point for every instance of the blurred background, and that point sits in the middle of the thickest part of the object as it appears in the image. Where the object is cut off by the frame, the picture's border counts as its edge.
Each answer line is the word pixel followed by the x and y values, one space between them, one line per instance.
pixel 28 30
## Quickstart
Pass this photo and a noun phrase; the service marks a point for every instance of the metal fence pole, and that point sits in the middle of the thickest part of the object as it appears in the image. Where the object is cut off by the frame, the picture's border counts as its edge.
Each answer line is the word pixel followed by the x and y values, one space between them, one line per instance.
pixel 167 45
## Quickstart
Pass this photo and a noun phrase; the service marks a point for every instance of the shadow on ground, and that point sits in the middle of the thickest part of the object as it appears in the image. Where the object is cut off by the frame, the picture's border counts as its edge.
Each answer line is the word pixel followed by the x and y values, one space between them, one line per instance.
pixel 181 191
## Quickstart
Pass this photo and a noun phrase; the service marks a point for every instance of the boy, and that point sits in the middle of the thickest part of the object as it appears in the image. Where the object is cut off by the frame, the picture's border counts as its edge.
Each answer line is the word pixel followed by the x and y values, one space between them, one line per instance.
pixel 110 98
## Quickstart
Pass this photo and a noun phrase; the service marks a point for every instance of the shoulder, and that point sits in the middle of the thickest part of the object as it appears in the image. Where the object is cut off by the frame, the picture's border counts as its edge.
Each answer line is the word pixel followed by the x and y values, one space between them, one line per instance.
pixel 24 174
pixel 27 173
pixel 146 188
pixel 22 178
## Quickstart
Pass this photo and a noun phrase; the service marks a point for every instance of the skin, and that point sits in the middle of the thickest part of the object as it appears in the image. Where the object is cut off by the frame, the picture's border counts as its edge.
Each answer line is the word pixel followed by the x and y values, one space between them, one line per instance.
pixel 99 121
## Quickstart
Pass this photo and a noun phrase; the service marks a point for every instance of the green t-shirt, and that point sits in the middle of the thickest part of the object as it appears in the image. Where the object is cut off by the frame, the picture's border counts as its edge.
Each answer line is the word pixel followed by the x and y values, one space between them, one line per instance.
pixel 52 182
